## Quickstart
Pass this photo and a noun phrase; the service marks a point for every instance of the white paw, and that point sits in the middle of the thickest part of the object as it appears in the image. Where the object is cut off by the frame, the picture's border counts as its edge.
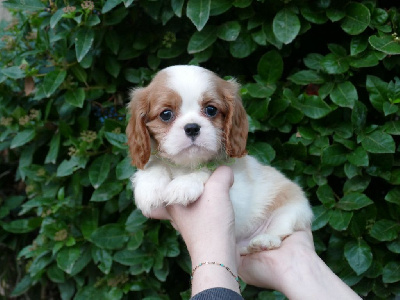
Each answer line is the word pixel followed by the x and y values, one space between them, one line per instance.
pixel 183 191
pixel 264 242
pixel 149 194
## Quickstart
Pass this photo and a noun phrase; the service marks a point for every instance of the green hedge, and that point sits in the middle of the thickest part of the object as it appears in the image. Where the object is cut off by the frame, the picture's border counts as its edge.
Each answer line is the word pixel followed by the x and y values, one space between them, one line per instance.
pixel 319 82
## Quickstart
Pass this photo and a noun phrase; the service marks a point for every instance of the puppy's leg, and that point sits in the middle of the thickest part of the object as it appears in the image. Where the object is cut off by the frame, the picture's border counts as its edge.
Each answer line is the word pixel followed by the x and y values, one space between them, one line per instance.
pixel 284 221
pixel 186 188
pixel 149 186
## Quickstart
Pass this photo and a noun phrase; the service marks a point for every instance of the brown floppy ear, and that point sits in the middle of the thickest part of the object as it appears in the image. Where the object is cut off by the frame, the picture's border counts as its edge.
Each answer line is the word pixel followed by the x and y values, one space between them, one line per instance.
pixel 136 131
pixel 236 124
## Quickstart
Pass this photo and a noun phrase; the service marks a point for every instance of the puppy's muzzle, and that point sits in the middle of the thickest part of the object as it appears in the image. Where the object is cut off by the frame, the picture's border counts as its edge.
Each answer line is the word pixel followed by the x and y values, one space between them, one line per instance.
pixel 192 130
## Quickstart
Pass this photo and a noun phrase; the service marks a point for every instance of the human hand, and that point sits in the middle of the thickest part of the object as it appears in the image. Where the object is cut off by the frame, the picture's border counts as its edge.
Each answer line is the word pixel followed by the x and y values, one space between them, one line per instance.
pixel 209 222
pixel 208 229
pixel 296 270
pixel 267 269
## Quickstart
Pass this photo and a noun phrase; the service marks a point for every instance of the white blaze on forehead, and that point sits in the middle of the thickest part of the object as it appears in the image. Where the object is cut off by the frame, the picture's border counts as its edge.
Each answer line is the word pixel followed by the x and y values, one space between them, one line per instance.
pixel 190 82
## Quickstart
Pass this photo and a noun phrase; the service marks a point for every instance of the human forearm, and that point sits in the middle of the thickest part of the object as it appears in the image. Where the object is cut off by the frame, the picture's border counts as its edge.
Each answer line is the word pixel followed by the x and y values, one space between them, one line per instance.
pixel 311 278
pixel 215 264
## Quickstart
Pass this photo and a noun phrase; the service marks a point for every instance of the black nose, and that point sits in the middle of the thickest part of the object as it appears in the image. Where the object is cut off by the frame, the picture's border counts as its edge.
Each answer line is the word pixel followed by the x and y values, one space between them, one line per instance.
pixel 192 130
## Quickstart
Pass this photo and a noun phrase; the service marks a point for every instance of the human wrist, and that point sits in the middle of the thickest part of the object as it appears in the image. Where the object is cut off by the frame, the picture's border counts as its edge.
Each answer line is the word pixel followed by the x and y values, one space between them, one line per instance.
pixel 215 265
pixel 212 274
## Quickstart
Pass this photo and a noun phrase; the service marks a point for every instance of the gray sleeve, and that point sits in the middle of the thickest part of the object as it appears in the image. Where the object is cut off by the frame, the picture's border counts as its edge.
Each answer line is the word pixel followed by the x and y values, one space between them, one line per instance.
pixel 217 294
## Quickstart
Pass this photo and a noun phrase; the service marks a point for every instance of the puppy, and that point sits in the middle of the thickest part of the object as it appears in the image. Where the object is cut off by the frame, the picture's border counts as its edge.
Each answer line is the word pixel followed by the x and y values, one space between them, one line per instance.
pixel 188 119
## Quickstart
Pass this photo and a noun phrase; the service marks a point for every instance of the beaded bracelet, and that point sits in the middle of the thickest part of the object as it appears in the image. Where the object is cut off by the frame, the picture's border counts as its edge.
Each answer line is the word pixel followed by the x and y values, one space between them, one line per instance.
pixel 217 264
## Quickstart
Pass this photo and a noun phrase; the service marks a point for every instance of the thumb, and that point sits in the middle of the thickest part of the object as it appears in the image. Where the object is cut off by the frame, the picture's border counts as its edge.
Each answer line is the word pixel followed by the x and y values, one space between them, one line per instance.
pixel 220 180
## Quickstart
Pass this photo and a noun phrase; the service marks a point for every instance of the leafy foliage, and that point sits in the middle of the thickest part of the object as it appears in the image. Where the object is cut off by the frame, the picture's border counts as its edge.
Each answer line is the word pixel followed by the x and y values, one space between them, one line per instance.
pixel 320 84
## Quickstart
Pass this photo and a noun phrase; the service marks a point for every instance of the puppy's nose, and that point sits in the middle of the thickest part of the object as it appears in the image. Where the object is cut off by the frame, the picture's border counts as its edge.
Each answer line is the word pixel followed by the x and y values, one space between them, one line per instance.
pixel 192 130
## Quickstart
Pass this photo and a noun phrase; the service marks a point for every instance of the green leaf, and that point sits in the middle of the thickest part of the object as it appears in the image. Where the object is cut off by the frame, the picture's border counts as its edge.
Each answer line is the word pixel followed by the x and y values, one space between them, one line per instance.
pixel 220 7
pixel 23 286
pixel 113 41
pixel 354 201
pixel 326 196
pixel 321 217
pixel 259 90
pixel 390 108
pixel 73 259
pixel 56 17
pixel 359 255
pixel 109 5
pixel 110 236
pixel 312 106
pixel 124 169
pixel 22 225
pixel 359 115
pixel 75 97
pixel 106 191
pixel 113 67
pixel 386 44
pixel 391 272
pixel 270 66
pixel 201 40
pixel 83 42
pixel 379 142
pixel 229 31
pixel 243 46
pixel 177 6
pixel 135 240
pixel 103 259
pixel 286 25
pixel 378 90
pixel 358 44
pixel 174 51
pixel 335 64
pixel 79 73
pixel 385 230
pixel 305 77
pixel 89 222
pixel 132 257
pixel 13 72
pixel 344 94
pixel 117 139
pixel 67 167
pixel 392 127
pixel 51 82
pixel 358 157
pixel 55 274
pixel 357 18
pixel 99 169
pixel 22 138
pixel 340 220
pixel 26 5
pixel 335 14
pixel 393 196
pixel 51 156
pixel 135 221
pixel 263 152
pixel 334 155
pixel 198 11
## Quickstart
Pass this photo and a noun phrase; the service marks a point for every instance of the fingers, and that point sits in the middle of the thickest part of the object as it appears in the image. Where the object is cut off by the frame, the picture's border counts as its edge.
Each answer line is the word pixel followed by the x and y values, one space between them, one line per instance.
pixel 221 178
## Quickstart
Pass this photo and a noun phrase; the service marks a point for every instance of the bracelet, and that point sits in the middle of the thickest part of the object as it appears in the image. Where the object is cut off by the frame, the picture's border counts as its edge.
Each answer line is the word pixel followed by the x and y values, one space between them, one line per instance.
pixel 217 264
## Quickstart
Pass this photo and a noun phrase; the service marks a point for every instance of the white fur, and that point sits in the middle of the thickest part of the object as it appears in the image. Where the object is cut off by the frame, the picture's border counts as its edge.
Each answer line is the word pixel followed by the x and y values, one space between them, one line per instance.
pixel 175 175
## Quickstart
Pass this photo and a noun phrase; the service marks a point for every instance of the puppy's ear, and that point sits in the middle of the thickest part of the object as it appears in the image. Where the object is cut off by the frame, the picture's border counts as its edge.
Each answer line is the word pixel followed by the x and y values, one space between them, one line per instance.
pixel 136 131
pixel 236 124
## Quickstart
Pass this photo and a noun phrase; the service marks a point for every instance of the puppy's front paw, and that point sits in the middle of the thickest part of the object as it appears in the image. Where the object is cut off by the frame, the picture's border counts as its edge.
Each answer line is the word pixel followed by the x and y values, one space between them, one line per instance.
pixel 183 191
pixel 149 195
pixel 262 242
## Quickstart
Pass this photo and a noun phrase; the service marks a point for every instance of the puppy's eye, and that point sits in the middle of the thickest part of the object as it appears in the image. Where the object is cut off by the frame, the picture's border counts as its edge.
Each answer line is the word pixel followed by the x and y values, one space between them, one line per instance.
pixel 210 111
pixel 167 115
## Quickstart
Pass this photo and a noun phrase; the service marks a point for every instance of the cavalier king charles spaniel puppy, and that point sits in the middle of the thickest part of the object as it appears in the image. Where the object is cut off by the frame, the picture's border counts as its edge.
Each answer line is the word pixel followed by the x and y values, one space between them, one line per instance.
pixel 186 121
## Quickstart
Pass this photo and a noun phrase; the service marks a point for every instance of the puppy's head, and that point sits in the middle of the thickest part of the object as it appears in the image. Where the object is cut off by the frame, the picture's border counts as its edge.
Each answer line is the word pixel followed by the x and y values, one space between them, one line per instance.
pixel 189 115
